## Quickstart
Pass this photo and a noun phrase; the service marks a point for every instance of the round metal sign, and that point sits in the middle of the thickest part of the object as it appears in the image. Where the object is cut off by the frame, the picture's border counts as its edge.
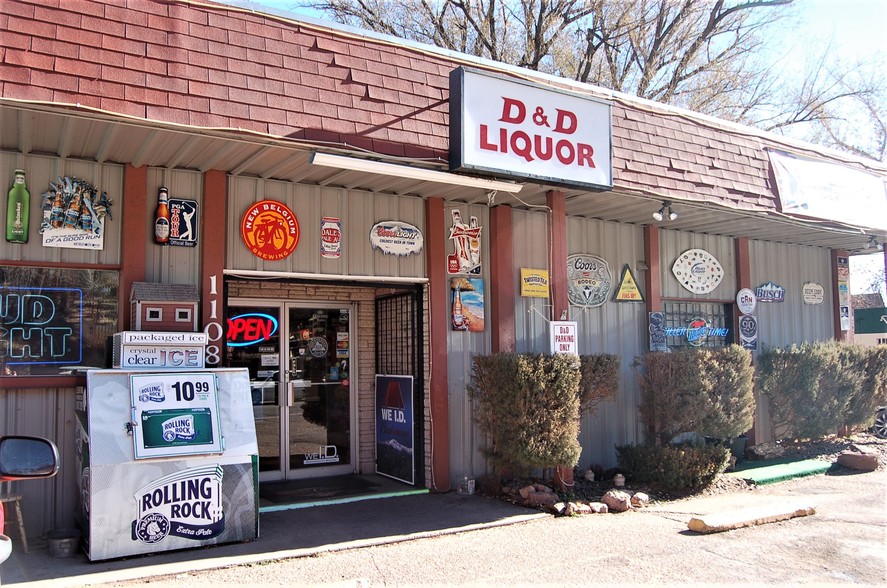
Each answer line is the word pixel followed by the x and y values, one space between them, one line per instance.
pixel 270 230
pixel 746 301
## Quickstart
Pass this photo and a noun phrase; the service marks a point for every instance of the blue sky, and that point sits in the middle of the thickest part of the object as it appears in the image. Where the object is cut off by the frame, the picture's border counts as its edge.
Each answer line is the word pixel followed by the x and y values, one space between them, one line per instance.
pixel 855 29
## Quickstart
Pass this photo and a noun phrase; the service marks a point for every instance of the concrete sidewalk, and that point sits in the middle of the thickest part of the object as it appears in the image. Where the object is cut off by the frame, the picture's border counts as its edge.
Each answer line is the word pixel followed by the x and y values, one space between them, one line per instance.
pixel 282 534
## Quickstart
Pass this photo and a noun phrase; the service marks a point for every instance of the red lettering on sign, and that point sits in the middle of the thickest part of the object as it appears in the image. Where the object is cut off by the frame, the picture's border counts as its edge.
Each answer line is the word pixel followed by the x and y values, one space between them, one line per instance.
pixel 249 329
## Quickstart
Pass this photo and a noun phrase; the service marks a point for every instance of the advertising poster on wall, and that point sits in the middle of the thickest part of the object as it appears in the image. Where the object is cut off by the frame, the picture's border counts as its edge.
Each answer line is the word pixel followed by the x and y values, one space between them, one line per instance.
pixel 533 283
pixel 748 331
pixel 657 332
pixel 628 290
pixel 175 414
pixel 466 240
pixel 467 310
pixel 588 280
pixel 74 215
pixel 331 237
pixel 394 428
pixel 183 222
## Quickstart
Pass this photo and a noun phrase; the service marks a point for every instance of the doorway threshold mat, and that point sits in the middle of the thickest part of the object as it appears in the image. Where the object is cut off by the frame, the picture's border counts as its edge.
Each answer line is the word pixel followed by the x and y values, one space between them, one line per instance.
pixel 293 494
pixel 770 472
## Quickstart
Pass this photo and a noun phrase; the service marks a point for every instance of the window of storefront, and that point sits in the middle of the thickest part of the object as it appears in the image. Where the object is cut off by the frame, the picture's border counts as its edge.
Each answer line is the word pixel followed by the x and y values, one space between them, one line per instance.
pixel 53 319
pixel 698 324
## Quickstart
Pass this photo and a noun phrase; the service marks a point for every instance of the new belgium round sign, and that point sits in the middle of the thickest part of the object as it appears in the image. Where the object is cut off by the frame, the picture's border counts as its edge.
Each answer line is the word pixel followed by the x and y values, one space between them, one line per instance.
pixel 270 230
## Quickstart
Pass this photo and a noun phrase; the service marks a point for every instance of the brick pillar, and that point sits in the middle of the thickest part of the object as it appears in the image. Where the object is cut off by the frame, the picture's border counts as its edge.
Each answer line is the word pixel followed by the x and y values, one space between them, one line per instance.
pixel 135 238
pixel 438 322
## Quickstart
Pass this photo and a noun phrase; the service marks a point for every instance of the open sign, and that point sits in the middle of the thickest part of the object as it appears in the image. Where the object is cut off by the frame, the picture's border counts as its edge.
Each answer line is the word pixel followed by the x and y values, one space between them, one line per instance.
pixel 251 328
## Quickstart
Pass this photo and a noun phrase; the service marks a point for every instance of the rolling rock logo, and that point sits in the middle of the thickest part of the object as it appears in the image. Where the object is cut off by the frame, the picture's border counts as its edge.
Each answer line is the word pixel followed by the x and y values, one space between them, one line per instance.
pixel 179 428
pixel 184 504
pixel 152 393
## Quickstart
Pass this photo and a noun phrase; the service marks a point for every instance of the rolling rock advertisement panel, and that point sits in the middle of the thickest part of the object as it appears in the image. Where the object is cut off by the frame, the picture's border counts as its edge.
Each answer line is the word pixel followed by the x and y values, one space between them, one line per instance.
pixel 168 460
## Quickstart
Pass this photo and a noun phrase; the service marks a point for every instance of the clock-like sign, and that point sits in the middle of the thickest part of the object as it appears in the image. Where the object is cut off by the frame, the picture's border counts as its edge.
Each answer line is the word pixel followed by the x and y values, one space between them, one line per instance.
pixel 698 271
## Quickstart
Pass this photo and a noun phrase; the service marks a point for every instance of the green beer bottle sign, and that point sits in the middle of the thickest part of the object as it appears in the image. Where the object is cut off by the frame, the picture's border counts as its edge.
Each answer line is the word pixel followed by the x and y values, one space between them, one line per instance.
pixel 18 210
pixel 175 414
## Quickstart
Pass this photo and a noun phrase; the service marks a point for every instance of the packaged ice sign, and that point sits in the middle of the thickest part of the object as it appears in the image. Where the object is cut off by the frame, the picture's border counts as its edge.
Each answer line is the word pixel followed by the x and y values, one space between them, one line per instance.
pixel 175 414
pixel 250 329
pixel 512 127
pixel 154 350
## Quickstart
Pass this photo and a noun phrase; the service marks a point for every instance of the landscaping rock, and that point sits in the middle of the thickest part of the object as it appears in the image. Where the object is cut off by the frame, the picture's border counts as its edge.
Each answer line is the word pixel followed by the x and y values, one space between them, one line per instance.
pixel 542 499
pixel 640 500
pixel 617 500
pixel 866 462
pixel 765 451
pixel 598 507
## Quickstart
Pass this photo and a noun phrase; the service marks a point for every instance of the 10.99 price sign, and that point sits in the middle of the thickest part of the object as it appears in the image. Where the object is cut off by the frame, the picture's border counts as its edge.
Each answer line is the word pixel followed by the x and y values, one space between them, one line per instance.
pixel 175 414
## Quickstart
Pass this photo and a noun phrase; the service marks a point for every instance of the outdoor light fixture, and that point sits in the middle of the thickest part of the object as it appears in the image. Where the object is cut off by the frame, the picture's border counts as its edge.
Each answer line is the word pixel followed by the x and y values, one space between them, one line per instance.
pixel 872 243
pixel 413 173
pixel 665 212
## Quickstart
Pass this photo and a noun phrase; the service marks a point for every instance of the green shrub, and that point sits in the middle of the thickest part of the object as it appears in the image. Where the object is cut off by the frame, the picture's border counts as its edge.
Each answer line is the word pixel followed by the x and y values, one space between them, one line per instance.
pixel 599 380
pixel 673 467
pixel 527 406
pixel 816 388
pixel 709 391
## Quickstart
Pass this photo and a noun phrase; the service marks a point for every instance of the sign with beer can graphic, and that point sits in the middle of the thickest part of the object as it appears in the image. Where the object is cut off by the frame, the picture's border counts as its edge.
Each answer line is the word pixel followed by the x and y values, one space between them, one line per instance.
pixel 175 414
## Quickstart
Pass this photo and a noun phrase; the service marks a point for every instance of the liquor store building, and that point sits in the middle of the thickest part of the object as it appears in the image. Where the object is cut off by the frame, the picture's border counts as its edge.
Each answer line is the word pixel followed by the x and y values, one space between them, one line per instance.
pixel 357 216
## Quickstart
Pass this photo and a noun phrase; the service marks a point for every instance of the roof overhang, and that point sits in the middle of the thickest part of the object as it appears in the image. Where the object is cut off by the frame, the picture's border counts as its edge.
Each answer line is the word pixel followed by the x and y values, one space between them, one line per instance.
pixel 69 131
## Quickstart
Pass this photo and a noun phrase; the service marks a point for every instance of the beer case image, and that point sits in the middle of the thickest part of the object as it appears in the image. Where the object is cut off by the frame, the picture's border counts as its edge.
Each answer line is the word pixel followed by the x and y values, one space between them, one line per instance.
pixel 178 426
pixel 191 494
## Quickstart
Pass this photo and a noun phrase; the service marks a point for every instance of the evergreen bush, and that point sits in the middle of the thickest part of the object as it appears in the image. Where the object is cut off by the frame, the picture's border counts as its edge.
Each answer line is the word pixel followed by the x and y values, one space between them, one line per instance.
pixel 599 380
pixel 815 389
pixel 707 391
pixel 527 405
pixel 673 467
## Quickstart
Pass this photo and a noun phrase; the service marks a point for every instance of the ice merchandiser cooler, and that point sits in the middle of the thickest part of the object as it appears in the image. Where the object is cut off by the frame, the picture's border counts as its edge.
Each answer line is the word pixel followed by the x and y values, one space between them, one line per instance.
pixel 168 460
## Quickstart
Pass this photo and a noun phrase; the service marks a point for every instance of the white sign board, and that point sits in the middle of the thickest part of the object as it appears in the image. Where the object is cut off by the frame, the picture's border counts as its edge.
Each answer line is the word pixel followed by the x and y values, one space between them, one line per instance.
pixel 813 293
pixel 820 189
pixel 175 414
pixel 526 130
pixel 564 337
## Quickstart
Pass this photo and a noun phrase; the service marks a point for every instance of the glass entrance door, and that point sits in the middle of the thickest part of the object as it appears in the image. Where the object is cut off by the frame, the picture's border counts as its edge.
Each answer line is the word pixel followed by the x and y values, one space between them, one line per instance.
pixel 299 360
pixel 319 384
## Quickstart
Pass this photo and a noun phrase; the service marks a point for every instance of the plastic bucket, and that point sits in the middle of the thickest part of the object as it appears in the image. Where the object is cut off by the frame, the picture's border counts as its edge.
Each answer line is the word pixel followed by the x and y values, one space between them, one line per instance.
pixel 63 542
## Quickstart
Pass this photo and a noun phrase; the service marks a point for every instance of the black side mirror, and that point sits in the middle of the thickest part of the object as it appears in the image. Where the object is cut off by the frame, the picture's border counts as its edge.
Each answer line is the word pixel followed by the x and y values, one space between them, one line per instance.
pixel 23 458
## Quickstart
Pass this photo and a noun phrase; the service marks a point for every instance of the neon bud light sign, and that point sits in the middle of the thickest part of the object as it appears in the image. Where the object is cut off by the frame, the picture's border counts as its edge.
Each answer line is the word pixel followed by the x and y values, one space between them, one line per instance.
pixel 250 328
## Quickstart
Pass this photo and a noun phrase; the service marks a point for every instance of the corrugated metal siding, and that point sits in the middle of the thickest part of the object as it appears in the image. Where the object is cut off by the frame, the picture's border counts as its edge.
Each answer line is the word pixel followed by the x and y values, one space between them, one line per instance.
pixel 358 212
pixel 674 243
pixel 171 264
pixel 617 328
pixel 530 247
pixel 465 438
pixel 40 171
pixel 49 413
pixel 783 323
pixel 791 266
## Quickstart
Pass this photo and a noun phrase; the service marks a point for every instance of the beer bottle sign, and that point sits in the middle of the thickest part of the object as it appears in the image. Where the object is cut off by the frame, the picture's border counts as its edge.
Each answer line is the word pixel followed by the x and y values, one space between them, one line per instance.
pixel 175 414
pixel 18 210
pixel 161 218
